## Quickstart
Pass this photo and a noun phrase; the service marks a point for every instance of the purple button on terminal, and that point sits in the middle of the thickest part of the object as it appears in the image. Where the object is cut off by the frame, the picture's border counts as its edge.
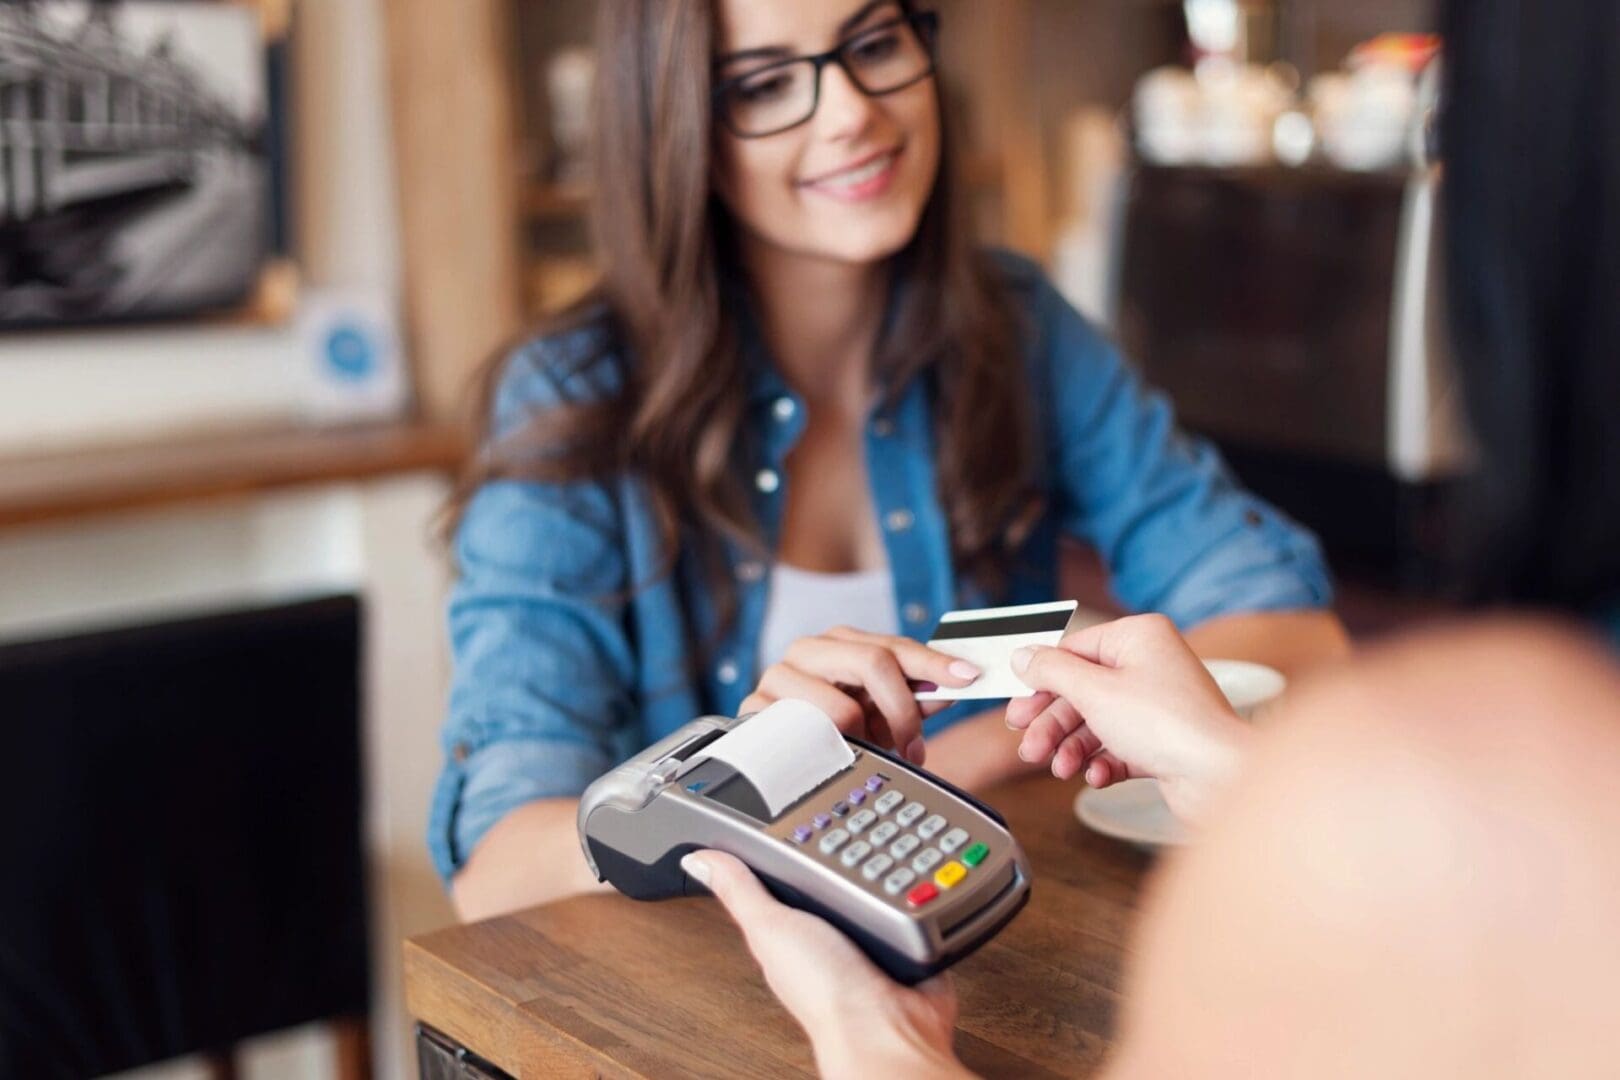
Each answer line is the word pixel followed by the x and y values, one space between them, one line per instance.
pixel 801 834
pixel 873 783
pixel 821 821
pixel 857 796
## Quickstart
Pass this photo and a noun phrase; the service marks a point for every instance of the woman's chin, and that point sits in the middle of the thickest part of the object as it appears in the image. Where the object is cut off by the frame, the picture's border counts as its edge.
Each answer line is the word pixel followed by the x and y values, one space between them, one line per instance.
pixel 869 253
pixel 870 243
pixel 857 243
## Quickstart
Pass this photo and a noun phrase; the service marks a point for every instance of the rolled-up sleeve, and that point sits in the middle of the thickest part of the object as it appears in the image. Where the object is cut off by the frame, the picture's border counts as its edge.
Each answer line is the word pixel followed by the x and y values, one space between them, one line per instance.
pixel 543 665
pixel 1178 534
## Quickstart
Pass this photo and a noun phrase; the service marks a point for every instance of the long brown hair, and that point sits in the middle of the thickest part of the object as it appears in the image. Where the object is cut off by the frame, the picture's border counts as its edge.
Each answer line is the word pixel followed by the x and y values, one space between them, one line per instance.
pixel 671 293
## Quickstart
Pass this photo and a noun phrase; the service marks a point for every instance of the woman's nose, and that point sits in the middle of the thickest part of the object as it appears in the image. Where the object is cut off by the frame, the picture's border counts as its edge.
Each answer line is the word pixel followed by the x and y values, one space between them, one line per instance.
pixel 845 110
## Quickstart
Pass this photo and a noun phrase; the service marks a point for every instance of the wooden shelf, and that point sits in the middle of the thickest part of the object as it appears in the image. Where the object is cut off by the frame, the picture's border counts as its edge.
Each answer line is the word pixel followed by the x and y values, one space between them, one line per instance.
pixel 555 202
pixel 57 487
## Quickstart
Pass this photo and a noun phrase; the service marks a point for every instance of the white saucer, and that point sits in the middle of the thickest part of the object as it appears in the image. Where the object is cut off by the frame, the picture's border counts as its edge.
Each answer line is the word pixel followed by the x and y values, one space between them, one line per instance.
pixel 1132 811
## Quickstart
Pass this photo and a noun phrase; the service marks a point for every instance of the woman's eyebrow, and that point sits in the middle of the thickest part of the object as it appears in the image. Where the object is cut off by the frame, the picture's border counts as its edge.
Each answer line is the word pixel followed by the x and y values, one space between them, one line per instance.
pixel 781 52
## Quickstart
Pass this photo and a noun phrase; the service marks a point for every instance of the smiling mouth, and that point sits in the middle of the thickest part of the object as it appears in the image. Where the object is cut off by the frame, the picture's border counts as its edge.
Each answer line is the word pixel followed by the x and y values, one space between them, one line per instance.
pixel 853 178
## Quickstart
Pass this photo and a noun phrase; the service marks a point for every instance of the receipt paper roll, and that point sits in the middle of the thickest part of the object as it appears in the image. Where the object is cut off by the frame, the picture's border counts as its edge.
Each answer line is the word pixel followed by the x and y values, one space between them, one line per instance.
pixel 786 750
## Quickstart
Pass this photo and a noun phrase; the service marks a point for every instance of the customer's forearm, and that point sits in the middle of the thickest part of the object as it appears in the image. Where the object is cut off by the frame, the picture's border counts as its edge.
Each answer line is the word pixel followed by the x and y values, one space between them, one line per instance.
pixel 531 856
pixel 977 753
pixel 1290 641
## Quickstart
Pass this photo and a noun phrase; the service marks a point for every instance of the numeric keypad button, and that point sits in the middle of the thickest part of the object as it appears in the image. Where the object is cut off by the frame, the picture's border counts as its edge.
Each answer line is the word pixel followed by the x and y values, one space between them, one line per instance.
pixel 875 867
pixel 926 861
pixel 857 851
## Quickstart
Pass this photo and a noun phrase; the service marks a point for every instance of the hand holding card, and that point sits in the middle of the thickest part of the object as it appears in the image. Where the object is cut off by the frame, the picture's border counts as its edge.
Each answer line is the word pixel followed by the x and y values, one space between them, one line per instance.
pixel 864 682
pixel 987 639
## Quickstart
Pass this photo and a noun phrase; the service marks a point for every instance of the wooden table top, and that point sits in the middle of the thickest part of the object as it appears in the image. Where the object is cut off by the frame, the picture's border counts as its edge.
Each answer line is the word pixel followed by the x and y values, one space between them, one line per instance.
pixel 616 987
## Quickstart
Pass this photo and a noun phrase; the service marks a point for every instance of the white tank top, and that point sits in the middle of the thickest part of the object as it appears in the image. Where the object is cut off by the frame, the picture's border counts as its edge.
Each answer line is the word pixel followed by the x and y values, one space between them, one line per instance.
pixel 803 603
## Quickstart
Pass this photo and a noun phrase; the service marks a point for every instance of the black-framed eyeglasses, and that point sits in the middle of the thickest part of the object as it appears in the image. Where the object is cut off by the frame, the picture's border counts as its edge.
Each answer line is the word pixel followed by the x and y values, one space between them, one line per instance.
pixel 880 60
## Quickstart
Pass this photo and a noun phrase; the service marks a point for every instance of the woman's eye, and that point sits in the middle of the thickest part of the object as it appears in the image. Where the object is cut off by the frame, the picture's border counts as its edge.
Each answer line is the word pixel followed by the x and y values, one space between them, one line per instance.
pixel 875 49
pixel 760 91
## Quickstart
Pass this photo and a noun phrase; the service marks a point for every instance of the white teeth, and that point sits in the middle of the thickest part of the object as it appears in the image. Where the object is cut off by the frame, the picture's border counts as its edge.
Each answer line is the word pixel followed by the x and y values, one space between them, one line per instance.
pixel 857 177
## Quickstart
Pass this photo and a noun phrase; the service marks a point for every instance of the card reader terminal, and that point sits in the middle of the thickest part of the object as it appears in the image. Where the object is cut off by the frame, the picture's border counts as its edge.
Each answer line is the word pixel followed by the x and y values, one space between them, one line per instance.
pixel 917 872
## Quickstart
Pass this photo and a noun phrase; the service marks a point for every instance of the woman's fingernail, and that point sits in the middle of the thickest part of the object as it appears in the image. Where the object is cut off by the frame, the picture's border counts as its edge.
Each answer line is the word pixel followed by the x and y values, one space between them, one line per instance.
pixel 915 751
pixel 964 670
pixel 1021 658
pixel 1023 753
pixel 696 868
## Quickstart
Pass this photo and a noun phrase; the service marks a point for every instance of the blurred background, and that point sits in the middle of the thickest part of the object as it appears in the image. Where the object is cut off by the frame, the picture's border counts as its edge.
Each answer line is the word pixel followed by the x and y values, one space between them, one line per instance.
pixel 252 251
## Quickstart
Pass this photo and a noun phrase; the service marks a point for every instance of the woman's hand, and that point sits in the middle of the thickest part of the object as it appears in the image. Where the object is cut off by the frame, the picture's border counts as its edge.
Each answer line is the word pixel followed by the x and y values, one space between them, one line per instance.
pixel 1129 699
pixel 863 681
pixel 860 1021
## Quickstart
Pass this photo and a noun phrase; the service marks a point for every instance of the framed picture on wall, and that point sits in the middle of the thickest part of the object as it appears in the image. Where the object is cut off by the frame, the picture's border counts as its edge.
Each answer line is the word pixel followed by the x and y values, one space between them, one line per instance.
pixel 142 158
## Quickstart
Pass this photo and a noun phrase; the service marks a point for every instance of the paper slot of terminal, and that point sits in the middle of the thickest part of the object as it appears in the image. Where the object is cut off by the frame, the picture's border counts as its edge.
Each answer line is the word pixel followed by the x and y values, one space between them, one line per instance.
pixel 784 752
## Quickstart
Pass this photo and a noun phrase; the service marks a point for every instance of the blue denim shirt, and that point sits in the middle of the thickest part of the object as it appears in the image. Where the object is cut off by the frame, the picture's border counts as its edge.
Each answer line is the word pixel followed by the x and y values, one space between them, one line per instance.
pixel 571 652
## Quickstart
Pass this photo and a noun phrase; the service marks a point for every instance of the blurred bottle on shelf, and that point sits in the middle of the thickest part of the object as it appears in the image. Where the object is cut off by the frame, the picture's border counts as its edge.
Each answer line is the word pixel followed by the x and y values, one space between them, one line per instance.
pixel 1364 115
pixel 570 78
pixel 1228 112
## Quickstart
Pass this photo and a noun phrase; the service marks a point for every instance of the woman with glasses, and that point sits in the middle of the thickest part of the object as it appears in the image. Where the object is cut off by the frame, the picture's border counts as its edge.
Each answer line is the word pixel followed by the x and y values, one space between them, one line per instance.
pixel 803 416
pixel 1413 871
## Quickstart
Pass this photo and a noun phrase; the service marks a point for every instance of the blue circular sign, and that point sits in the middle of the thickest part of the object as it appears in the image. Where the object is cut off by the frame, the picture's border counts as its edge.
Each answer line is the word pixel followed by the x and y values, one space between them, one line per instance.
pixel 350 353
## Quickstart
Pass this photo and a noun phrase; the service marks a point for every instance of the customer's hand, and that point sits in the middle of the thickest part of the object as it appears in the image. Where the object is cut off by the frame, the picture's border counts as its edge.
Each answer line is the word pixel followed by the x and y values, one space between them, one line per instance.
pixel 1129 699
pixel 860 1022
pixel 863 681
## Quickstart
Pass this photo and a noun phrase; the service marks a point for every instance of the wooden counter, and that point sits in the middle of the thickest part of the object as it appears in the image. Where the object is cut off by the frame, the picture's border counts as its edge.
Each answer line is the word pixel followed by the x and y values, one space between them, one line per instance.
pixel 606 986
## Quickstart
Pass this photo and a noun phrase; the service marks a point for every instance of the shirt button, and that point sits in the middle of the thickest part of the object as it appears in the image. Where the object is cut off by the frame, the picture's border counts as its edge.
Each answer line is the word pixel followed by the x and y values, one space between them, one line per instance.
pixel 750 571
pixel 783 409
pixel 767 480
pixel 727 672
pixel 883 427
pixel 915 613
pixel 459 752
pixel 898 520
pixel 1252 518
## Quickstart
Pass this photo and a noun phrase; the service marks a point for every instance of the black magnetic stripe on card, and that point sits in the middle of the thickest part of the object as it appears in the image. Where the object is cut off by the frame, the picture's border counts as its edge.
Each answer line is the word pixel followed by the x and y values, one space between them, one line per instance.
pixel 1042 622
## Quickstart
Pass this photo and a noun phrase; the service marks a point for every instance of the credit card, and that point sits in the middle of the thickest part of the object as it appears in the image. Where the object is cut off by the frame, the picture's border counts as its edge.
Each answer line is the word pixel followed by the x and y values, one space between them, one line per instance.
pixel 987 638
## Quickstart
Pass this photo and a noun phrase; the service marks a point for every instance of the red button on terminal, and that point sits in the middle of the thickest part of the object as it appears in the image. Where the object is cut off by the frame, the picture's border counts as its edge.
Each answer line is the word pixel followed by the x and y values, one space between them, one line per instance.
pixel 922 894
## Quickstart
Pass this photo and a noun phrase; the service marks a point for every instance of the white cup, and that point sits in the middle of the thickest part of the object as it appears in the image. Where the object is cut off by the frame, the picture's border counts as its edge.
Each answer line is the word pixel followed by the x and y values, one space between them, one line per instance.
pixel 1247 685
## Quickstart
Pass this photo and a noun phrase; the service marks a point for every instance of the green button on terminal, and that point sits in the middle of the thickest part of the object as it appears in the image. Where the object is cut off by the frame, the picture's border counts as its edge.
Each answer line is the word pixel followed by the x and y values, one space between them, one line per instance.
pixel 974 855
